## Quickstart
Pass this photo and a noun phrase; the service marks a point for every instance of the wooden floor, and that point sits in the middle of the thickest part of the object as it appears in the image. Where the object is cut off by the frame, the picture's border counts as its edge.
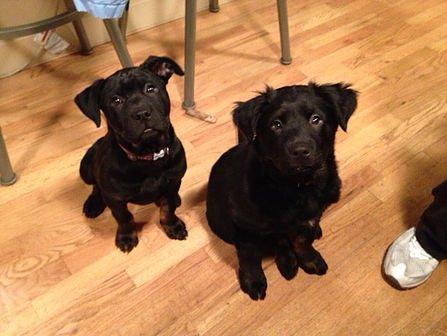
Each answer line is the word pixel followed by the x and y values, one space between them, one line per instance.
pixel 60 273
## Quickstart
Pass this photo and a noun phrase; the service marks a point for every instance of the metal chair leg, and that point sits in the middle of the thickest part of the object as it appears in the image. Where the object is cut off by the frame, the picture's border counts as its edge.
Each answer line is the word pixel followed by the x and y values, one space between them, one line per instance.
pixel 190 40
pixel 118 42
pixel 123 21
pixel 190 53
pixel 86 47
pixel 214 6
pixel 7 175
pixel 284 32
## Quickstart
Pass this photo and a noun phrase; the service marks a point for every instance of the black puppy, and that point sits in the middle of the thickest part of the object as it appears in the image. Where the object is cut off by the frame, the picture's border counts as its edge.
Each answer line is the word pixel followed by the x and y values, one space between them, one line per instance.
pixel 140 160
pixel 268 193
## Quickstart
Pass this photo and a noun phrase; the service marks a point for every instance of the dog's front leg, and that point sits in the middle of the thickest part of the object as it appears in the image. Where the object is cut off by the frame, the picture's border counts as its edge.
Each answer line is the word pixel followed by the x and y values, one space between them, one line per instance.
pixel 251 276
pixel 173 226
pixel 126 235
pixel 285 258
pixel 309 259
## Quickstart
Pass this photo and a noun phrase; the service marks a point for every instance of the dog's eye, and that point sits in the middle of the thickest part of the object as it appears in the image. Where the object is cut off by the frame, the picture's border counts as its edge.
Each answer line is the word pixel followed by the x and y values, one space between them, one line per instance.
pixel 148 88
pixel 315 119
pixel 117 100
pixel 276 124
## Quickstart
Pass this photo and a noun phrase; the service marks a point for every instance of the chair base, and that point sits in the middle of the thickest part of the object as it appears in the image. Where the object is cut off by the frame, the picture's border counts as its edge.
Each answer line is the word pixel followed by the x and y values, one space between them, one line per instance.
pixel 214 6
pixel 285 61
pixel 8 182
pixel 86 52
pixel 192 112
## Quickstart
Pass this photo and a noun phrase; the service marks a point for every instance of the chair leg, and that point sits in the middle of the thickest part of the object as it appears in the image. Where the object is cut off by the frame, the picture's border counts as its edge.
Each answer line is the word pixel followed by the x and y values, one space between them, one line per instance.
pixel 7 175
pixel 190 40
pixel 284 32
pixel 214 6
pixel 123 21
pixel 86 47
pixel 118 42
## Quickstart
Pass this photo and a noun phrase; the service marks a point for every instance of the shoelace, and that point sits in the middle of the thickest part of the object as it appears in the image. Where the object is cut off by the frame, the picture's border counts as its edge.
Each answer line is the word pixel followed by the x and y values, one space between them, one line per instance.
pixel 416 250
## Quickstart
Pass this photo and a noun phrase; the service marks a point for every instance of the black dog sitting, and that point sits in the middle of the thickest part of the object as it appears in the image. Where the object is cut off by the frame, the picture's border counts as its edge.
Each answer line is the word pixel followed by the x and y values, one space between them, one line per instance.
pixel 140 160
pixel 268 193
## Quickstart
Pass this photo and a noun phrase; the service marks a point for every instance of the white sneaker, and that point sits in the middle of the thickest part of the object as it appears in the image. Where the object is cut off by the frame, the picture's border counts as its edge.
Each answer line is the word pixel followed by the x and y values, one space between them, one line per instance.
pixel 407 263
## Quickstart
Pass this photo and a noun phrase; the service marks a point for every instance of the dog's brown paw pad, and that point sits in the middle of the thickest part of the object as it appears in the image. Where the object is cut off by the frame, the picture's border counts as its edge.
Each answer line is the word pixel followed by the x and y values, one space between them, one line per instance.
pixel 176 230
pixel 126 241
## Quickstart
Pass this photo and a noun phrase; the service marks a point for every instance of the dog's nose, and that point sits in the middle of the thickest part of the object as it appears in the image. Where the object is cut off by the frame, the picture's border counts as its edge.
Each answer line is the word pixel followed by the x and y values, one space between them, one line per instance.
pixel 142 115
pixel 300 151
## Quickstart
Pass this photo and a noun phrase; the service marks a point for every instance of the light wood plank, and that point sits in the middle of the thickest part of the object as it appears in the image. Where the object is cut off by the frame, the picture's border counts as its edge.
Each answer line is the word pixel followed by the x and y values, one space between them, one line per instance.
pixel 60 273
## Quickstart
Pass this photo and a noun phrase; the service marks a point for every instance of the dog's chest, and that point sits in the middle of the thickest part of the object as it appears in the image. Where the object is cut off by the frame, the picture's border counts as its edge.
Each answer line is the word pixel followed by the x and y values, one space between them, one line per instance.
pixel 138 186
pixel 149 189
pixel 280 210
pixel 301 206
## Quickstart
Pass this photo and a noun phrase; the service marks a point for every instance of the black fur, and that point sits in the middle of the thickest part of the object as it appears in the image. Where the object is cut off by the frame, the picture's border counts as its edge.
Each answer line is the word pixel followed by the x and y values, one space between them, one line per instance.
pixel 136 106
pixel 269 192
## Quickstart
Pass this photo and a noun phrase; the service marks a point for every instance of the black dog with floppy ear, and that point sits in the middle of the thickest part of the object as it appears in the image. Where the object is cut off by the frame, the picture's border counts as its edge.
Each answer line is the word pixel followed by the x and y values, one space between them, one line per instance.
pixel 268 193
pixel 140 159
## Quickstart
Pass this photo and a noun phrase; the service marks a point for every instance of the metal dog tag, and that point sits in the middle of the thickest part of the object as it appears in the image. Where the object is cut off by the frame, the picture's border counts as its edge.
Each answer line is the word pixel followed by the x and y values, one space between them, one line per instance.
pixel 161 154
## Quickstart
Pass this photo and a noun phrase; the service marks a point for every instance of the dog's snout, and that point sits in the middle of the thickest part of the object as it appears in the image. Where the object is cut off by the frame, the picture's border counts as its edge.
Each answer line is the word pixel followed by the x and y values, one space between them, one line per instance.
pixel 142 115
pixel 300 150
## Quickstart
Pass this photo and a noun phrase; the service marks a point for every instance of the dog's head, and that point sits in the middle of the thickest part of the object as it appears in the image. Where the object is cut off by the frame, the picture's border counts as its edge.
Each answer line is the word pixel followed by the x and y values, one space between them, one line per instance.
pixel 294 127
pixel 134 101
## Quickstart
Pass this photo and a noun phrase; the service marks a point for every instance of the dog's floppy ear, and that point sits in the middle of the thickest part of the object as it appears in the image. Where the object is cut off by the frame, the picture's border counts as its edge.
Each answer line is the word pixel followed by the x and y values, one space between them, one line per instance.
pixel 88 101
pixel 246 114
pixel 163 67
pixel 342 98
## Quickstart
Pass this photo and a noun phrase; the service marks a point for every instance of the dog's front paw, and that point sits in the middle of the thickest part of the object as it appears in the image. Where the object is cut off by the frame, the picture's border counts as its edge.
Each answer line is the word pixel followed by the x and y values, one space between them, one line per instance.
pixel 287 264
pixel 253 285
pixel 176 229
pixel 126 241
pixel 314 264
pixel 93 206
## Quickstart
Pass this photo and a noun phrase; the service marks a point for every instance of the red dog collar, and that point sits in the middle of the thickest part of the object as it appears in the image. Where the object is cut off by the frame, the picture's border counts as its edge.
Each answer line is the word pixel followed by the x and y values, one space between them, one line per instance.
pixel 146 157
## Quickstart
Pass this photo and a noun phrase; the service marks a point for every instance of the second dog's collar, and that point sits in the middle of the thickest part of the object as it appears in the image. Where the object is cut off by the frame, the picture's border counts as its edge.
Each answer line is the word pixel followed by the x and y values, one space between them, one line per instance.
pixel 145 157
